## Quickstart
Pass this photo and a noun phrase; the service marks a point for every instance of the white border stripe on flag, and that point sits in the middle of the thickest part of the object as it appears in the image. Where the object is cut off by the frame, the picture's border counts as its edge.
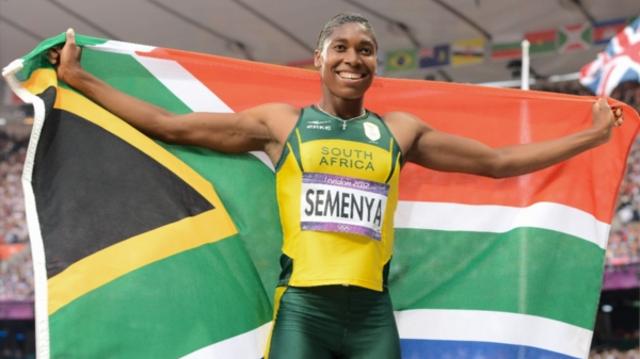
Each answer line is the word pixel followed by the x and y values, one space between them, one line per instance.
pixel 247 345
pixel 481 218
pixel 122 47
pixel 190 91
pixel 494 327
pixel 183 85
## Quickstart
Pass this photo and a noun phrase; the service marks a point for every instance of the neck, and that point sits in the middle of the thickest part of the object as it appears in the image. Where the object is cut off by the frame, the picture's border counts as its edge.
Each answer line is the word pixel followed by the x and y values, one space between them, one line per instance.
pixel 343 108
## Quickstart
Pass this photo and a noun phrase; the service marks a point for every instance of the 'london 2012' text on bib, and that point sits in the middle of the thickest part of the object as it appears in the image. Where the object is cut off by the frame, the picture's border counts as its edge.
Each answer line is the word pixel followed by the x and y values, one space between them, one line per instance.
pixel 342 204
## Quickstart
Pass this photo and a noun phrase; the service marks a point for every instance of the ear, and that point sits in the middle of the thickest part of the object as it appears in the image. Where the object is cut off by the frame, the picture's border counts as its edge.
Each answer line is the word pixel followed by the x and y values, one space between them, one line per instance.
pixel 317 59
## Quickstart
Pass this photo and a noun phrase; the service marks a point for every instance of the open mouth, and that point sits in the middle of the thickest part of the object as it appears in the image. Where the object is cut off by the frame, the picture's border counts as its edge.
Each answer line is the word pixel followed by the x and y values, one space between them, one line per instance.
pixel 351 76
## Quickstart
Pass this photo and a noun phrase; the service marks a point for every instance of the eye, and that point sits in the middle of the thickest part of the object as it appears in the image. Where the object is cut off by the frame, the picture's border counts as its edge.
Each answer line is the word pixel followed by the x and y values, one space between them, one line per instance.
pixel 339 47
pixel 367 51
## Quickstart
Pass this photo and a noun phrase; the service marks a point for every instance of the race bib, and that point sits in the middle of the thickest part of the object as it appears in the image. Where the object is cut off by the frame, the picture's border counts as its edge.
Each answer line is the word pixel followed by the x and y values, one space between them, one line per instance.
pixel 332 203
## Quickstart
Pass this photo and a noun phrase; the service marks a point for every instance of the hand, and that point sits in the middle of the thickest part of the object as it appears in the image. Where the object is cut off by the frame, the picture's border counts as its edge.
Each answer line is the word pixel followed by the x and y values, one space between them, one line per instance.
pixel 606 117
pixel 66 59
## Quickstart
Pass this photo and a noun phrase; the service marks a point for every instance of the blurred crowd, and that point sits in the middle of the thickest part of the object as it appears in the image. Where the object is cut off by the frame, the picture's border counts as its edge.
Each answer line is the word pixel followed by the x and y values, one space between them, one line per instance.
pixel 17 276
pixel 624 241
pixel 615 354
pixel 16 272
pixel 13 228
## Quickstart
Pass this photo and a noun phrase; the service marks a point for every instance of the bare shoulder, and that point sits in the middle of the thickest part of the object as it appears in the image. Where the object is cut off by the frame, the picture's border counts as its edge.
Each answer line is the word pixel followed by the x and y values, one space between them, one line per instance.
pixel 405 127
pixel 277 106
pixel 278 118
pixel 273 115
pixel 274 110
pixel 399 116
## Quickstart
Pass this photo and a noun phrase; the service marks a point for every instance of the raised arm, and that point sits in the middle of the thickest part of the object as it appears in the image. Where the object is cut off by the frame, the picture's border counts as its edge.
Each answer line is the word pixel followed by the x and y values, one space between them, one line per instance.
pixel 252 129
pixel 446 152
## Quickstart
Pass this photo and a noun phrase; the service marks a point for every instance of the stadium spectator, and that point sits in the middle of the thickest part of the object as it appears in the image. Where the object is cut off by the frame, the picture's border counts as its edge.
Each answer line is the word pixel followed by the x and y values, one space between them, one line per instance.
pixel 615 354
pixel 624 242
pixel 16 273
pixel 13 228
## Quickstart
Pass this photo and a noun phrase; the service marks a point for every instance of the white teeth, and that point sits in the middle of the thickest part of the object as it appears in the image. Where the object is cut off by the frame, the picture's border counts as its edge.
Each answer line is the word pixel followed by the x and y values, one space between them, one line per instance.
pixel 350 75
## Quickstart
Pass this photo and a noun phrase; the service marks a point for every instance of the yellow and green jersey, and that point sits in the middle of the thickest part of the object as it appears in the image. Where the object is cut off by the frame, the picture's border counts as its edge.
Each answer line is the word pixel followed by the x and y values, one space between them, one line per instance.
pixel 337 190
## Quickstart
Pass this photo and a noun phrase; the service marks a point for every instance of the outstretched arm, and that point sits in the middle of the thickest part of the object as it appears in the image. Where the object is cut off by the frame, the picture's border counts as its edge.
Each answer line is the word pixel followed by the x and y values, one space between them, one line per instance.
pixel 227 132
pixel 445 152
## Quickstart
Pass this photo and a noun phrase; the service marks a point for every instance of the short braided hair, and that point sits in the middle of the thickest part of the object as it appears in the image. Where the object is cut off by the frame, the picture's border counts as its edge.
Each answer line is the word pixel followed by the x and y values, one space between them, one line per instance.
pixel 341 19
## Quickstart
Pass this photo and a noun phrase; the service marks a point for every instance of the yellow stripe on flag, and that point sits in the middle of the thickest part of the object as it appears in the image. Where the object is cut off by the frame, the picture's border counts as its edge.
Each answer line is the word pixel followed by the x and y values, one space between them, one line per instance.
pixel 144 248
pixel 140 250
pixel 468 51
pixel 72 102
pixel 40 80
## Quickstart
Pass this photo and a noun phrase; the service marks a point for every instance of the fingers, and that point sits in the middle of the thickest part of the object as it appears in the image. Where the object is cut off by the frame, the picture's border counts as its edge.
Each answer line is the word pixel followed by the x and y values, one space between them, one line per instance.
pixel 617 116
pixel 609 115
pixel 71 36
pixel 601 105
pixel 53 55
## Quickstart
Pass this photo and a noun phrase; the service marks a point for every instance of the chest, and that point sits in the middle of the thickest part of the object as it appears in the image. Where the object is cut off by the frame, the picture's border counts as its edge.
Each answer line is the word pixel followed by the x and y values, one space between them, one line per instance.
pixel 362 149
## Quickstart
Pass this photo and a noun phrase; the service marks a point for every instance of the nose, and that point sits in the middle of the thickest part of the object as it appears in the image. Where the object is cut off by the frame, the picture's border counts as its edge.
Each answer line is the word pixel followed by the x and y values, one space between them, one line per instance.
pixel 352 57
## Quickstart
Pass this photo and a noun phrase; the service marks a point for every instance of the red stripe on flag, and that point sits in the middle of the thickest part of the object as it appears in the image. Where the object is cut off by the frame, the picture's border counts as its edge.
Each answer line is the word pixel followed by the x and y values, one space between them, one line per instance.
pixel 506 54
pixel 574 27
pixel 576 46
pixel 242 84
pixel 623 40
pixel 541 36
pixel 497 117
pixel 605 32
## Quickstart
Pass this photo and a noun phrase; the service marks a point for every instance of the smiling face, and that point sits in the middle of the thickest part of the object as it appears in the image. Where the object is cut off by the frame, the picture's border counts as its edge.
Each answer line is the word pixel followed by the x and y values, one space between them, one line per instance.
pixel 347 61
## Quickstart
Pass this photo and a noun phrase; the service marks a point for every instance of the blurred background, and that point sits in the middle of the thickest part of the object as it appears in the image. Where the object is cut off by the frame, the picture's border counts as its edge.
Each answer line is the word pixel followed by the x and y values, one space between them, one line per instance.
pixel 470 41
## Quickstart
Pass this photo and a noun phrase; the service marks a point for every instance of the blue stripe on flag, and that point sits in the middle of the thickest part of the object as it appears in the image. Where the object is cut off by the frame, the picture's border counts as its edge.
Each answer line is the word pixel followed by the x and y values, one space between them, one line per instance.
pixel 635 24
pixel 630 75
pixel 437 349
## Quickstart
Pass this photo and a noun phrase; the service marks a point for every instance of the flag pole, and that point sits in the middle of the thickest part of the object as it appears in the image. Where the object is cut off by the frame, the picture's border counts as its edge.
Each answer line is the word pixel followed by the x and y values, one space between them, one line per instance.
pixel 524 70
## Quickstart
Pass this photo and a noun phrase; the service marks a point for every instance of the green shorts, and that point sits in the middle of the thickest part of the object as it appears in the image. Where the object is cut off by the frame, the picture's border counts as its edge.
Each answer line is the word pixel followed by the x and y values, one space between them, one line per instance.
pixel 334 322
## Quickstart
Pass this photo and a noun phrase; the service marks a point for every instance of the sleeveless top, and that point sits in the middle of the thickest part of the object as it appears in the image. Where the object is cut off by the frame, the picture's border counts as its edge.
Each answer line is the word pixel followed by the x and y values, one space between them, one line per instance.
pixel 337 190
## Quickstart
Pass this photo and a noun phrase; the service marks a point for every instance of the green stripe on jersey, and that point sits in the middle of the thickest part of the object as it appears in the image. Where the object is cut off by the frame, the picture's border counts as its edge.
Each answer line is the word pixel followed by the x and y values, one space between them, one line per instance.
pixel 316 125
pixel 526 270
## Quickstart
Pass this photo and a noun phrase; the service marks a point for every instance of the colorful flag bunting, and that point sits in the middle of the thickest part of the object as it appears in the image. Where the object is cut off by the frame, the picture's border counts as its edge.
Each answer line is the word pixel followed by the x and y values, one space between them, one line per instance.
pixel 603 31
pixel 401 60
pixel 574 37
pixel 506 47
pixel 434 56
pixel 468 51
pixel 150 250
pixel 541 41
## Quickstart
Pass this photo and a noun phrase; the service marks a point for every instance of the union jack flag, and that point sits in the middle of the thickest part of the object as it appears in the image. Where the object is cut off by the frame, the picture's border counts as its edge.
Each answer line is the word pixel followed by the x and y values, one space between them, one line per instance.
pixel 620 62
